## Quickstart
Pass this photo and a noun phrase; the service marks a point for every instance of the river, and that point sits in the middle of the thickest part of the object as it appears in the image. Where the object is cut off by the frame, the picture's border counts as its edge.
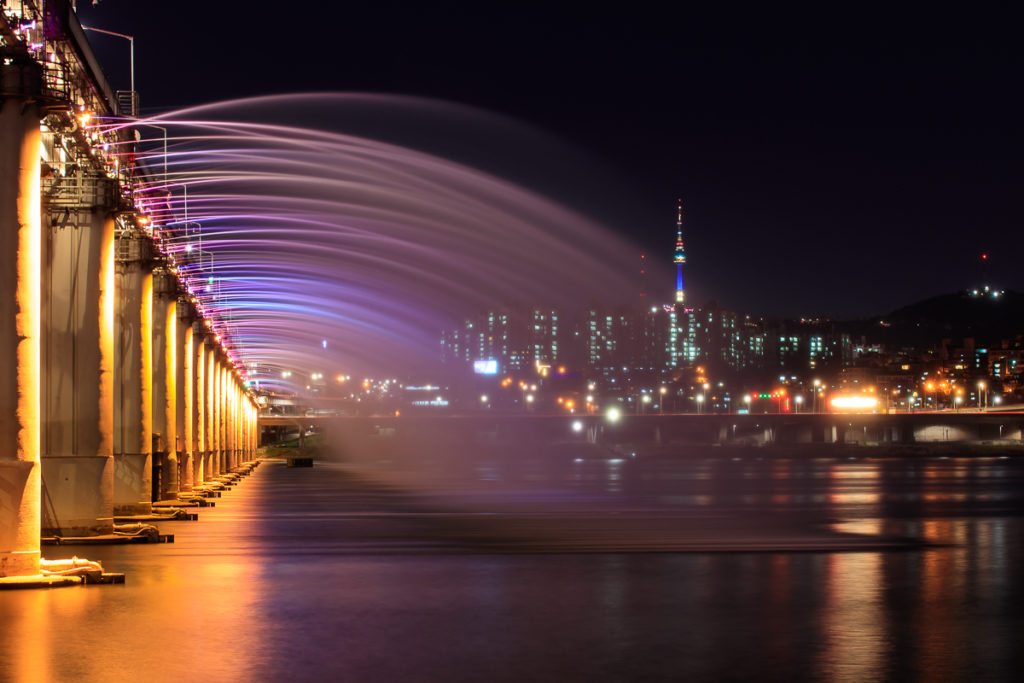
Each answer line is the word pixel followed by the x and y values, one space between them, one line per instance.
pixel 568 574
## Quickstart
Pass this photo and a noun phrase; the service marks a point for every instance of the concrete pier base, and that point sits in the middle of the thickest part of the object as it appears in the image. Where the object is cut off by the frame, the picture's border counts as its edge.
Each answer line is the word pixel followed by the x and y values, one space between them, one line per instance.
pixel 133 483
pixel 19 518
pixel 184 464
pixel 77 497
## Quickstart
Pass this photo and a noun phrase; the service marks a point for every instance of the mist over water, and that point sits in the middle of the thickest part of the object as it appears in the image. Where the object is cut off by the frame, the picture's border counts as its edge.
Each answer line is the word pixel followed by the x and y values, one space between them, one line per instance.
pixel 296 232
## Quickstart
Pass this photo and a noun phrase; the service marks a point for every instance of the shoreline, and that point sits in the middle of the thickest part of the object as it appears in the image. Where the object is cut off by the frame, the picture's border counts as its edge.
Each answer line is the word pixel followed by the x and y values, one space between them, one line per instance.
pixel 821 450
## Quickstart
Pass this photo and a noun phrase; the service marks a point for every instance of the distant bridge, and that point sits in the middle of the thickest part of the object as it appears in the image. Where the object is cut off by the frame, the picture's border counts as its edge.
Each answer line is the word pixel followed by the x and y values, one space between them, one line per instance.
pixel 1005 426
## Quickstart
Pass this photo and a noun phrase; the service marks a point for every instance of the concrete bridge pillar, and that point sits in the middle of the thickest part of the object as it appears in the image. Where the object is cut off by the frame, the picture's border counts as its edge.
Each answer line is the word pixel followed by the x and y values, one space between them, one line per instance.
pixel 250 429
pixel 241 420
pixel 726 432
pixel 197 415
pixel 229 416
pixel 226 424
pixel 219 408
pixel 133 371
pixel 184 387
pixel 165 383
pixel 237 423
pixel 246 422
pixel 20 240
pixel 230 424
pixel 78 358
pixel 210 407
pixel 819 432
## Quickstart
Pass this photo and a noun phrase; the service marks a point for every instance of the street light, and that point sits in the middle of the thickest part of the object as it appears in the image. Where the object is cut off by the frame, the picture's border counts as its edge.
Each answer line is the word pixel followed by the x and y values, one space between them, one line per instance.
pixel 982 391
pixel 662 390
pixel 746 399
pixel 700 402
pixel 799 398
pixel 131 41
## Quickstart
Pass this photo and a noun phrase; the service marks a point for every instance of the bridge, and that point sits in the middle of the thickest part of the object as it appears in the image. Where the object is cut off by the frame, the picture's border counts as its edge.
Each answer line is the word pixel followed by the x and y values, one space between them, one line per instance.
pixel 117 389
pixel 721 429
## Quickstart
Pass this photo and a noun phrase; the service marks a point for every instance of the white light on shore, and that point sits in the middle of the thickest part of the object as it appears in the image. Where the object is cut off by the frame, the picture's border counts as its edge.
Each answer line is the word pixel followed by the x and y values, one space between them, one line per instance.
pixel 854 402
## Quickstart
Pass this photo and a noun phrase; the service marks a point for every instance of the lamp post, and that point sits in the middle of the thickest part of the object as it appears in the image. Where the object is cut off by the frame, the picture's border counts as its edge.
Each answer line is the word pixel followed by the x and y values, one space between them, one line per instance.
pixel 746 400
pixel 982 391
pixel 700 401
pixel 131 42
pixel 662 390
pixel 799 398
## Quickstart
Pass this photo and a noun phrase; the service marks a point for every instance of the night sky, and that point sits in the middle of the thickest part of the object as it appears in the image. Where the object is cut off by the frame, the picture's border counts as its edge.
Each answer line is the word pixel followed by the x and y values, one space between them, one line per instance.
pixel 829 164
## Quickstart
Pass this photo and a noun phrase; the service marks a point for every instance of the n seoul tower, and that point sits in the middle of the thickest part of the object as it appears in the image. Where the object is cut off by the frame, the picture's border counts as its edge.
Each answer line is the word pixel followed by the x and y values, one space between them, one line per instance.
pixel 680 255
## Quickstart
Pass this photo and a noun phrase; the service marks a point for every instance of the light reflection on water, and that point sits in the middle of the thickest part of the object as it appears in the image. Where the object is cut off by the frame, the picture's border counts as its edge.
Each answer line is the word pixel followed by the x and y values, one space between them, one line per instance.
pixel 855 637
pixel 298 574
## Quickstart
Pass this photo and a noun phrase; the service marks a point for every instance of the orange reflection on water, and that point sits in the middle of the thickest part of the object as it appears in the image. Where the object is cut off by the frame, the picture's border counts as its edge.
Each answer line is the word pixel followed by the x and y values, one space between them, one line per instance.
pixel 854 484
pixel 855 635
pixel 192 609
pixel 942 591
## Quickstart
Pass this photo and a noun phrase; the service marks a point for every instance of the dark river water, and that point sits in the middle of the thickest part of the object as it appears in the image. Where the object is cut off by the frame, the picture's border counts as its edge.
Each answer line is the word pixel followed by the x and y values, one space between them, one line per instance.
pixel 564 574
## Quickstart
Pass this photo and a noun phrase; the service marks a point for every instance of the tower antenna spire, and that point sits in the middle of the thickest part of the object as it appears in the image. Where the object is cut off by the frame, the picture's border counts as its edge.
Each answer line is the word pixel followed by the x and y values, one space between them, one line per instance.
pixel 680 253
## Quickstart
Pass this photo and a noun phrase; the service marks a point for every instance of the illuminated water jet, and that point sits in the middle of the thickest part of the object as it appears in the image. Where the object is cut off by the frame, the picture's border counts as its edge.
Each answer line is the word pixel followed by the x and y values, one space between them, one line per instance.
pixel 292 235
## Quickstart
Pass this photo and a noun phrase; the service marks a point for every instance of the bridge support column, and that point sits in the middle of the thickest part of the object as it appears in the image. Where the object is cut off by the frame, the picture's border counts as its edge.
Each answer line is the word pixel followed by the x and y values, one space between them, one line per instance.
pixel 165 384
pixel 184 404
pixel 133 371
pixel 237 421
pixel 254 431
pixel 250 431
pixel 818 432
pixel 78 360
pixel 20 240
pixel 726 433
pixel 229 415
pixel 218 408
pixel 198 412
pixel 243 416
pixel 229 419
pixel 210 407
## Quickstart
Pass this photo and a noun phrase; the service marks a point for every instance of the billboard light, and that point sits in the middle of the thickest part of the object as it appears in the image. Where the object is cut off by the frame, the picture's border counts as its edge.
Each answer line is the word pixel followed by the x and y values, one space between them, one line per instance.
pixel 485 367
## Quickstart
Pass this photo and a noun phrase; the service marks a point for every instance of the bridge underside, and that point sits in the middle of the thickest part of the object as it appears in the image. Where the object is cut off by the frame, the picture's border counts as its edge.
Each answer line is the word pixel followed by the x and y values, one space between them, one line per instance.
pixel 114 390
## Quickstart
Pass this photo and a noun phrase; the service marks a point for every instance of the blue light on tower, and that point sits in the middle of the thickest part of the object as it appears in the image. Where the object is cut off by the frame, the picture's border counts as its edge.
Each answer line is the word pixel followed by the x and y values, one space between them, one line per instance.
pixel 680 255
